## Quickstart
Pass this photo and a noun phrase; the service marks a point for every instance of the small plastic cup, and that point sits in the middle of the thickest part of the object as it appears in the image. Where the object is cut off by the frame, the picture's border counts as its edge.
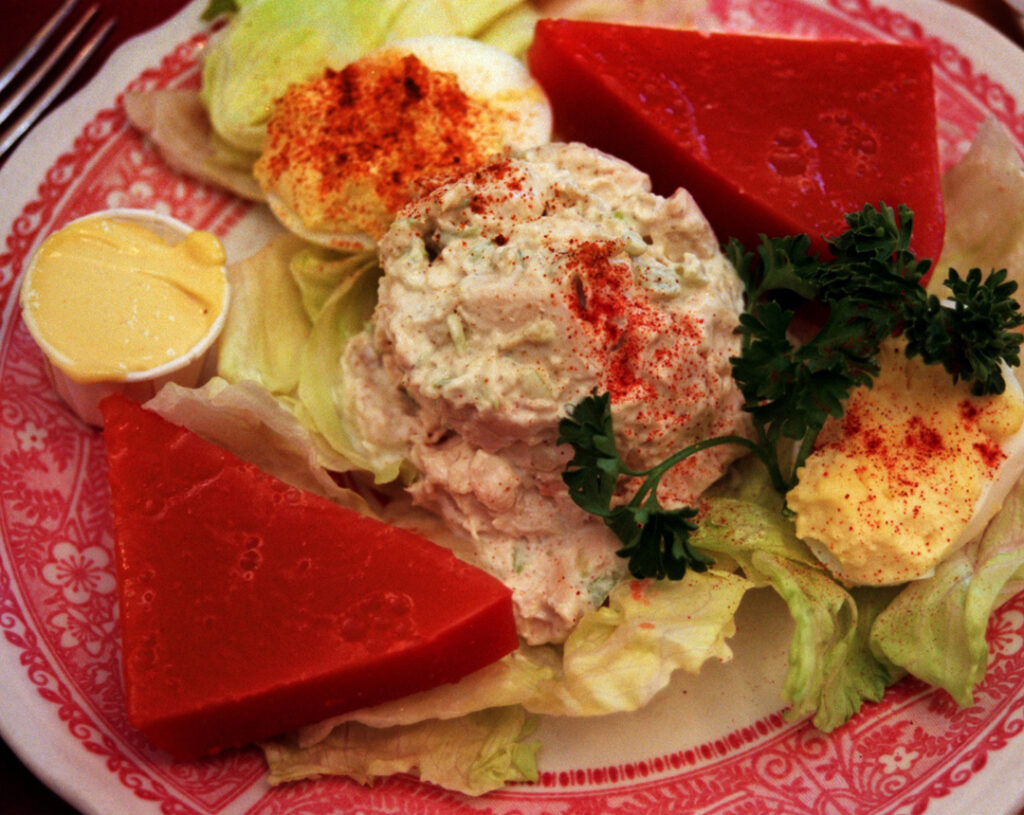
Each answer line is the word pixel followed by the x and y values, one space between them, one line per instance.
pixel 188 369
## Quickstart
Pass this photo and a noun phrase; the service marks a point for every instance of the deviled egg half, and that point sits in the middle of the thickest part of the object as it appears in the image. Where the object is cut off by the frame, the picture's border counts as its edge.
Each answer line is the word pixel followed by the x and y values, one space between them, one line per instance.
pixel 914 470
pixel 346 150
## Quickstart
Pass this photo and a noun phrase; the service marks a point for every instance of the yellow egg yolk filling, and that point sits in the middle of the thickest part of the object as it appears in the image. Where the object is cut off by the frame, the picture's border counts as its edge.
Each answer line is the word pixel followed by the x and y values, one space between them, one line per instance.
pixel 892 485
pixel 346 150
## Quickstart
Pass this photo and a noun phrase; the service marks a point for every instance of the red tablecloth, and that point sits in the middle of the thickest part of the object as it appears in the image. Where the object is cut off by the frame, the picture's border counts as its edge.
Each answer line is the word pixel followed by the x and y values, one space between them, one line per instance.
pixel 20 792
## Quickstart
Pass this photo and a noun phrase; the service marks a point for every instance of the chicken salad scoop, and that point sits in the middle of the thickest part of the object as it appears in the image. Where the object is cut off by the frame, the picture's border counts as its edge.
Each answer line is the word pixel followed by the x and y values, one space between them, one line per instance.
pixel 508 296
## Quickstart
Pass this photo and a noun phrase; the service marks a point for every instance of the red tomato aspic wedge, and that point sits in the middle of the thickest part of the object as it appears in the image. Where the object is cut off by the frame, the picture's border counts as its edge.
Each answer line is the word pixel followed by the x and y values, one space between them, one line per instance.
pixel 249 607
pixel 769 134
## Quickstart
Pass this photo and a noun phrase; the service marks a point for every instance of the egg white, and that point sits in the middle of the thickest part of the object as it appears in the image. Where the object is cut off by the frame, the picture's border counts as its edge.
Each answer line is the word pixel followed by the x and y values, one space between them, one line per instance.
pixel 353 241
pixel 1007 474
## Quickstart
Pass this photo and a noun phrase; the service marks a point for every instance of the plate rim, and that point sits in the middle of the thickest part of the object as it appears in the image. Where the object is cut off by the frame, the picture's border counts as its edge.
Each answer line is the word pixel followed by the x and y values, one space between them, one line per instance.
pixel 18 174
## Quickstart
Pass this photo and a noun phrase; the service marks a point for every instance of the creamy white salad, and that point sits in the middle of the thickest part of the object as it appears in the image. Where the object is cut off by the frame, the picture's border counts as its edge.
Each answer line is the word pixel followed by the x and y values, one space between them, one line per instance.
pixel 518 290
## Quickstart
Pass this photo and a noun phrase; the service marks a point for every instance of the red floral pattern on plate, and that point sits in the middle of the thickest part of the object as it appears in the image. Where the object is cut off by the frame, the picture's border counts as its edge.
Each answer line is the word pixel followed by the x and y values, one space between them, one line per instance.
pixel 58 604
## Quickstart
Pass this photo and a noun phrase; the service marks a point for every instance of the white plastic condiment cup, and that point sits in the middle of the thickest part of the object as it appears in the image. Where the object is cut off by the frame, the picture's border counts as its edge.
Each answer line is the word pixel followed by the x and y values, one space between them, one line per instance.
pixel 187 370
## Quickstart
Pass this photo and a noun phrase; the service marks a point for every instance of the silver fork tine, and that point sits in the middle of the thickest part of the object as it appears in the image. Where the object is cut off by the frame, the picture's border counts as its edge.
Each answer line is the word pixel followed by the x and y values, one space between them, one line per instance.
pixel 13 68
pixel 44 68
pixel 11 135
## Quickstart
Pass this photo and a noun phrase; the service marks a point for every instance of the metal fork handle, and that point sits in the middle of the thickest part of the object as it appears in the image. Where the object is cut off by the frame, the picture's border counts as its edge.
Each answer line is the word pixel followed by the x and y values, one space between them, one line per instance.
pixel 33 82
pixel 31 48
pixel 16 130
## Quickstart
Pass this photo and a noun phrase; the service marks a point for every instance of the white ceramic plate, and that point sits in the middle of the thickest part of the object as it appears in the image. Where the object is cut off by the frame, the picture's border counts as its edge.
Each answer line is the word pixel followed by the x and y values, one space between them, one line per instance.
pixel 712 744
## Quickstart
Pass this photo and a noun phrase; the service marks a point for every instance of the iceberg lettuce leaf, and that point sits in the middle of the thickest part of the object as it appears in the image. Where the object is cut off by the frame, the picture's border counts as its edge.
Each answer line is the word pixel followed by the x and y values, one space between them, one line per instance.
pixel 621 655
pixel 935 628
pixel 267 326
pixel 984 201
pixel 617 659
pixel 293 309
pixel 447 17
pixel 318 272
pixel 175 122
pixel 474 754
pixel 324 386
pixel 832 670
pixel 521 678
pixel 512 31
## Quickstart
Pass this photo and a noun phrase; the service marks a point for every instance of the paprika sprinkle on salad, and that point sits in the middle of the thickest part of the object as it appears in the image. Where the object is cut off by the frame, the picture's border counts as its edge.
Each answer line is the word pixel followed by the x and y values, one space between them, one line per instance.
pixel 614 312
pixel 351 147
pixel 646 354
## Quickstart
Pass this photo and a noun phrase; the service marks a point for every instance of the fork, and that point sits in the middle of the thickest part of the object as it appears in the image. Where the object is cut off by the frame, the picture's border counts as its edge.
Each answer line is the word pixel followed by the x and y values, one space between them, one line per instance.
pixel 39 78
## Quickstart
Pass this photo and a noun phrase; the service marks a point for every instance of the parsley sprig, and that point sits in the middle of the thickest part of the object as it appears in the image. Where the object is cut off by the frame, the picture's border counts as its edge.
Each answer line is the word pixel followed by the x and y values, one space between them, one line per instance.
pixel 654 539
pixel 870 288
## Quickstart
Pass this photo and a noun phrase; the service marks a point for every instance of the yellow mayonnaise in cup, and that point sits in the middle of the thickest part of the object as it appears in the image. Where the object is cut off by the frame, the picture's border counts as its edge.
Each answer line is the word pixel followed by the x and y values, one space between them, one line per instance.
pixel 125 301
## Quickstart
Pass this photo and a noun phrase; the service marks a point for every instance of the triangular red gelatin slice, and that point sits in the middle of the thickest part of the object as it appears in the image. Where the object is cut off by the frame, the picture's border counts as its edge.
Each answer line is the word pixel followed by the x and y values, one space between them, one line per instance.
pixel 249 607
pixel 776 135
